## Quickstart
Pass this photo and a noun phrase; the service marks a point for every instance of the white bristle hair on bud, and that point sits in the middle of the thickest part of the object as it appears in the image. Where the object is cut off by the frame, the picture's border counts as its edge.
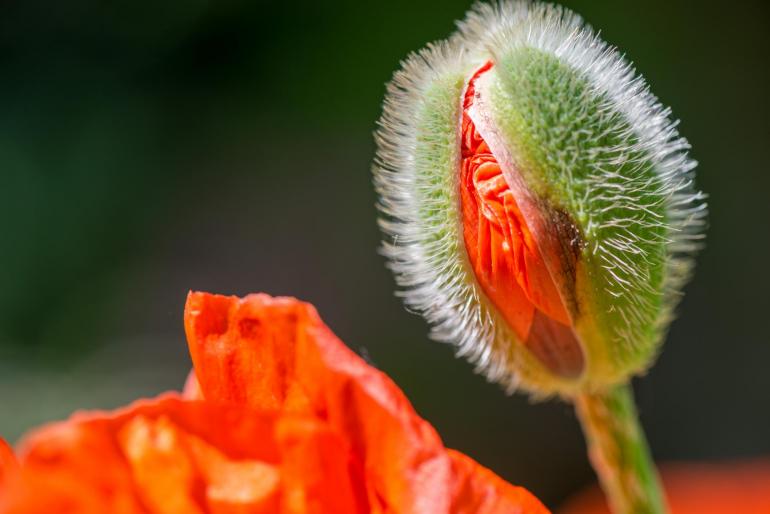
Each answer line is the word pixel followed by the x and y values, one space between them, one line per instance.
pixel 416 178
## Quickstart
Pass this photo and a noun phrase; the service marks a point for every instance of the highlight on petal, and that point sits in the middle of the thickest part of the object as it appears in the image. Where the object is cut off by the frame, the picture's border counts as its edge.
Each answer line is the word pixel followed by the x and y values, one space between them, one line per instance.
pixel 278 417
pixel 706 488
pixel 192 389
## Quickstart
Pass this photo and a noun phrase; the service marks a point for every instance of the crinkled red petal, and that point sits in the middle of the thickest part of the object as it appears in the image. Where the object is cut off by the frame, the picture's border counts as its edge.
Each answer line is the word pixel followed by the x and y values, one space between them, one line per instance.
pixel 505 256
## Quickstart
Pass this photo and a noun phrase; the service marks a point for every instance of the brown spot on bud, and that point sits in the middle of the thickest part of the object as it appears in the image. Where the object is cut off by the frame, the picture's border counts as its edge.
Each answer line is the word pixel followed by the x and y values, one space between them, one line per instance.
pixel 568 245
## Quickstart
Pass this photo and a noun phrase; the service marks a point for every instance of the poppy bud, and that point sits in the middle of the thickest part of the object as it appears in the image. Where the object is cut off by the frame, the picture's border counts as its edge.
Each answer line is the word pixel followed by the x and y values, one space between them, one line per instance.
pixel 537 200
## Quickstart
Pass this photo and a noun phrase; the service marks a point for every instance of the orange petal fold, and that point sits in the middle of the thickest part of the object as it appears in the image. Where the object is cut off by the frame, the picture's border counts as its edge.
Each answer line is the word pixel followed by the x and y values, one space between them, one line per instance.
pixel 276 353
pixel 138 459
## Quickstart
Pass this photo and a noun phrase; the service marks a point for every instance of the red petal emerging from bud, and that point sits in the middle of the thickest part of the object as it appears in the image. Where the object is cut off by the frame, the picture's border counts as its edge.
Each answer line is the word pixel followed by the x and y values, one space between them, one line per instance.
pixel 505 256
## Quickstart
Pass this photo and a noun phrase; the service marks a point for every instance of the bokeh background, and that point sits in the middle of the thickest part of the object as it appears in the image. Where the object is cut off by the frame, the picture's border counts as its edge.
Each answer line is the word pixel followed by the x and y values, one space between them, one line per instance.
pixel 150 148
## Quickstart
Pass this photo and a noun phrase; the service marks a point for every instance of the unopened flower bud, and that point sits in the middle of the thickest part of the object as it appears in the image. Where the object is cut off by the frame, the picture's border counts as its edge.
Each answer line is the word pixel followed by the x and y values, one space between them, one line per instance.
pixel 537 199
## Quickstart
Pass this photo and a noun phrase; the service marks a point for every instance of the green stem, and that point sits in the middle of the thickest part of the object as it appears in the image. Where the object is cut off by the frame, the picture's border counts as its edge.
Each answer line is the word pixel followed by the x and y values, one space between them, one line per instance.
pixel 619 453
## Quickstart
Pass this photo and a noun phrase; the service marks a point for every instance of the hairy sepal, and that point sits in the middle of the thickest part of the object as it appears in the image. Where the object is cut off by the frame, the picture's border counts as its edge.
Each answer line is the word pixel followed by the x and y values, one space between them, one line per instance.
pixel 593 157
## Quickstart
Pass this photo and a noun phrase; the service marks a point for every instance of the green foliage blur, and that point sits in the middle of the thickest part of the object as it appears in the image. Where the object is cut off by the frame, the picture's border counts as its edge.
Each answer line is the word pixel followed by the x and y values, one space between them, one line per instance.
pixel 150 148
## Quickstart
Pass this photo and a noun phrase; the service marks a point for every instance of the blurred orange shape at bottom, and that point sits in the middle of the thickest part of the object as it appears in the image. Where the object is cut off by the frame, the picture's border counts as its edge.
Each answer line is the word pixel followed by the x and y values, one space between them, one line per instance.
pixel 724 488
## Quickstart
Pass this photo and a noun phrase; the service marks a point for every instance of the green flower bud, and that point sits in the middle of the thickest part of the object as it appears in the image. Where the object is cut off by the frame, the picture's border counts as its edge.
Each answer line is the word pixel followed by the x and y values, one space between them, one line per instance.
pixel 537 200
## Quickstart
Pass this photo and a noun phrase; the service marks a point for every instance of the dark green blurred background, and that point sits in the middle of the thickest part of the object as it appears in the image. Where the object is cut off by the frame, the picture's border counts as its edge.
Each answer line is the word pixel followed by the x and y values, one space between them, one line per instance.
pixel 151 148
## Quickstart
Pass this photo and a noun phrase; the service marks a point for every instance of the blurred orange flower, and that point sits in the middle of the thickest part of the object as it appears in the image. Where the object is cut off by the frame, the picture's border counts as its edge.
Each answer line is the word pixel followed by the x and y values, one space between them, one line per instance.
pixel 280 417
pixel 727 488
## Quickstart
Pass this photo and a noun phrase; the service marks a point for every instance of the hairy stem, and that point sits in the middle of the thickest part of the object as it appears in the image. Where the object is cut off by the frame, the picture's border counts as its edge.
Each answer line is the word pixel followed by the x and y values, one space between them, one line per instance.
pixel 619 453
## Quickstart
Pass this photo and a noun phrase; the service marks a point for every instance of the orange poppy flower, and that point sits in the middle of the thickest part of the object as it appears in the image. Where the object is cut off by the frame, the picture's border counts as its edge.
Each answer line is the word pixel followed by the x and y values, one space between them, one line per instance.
pixel 279 417
pixel 741 488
